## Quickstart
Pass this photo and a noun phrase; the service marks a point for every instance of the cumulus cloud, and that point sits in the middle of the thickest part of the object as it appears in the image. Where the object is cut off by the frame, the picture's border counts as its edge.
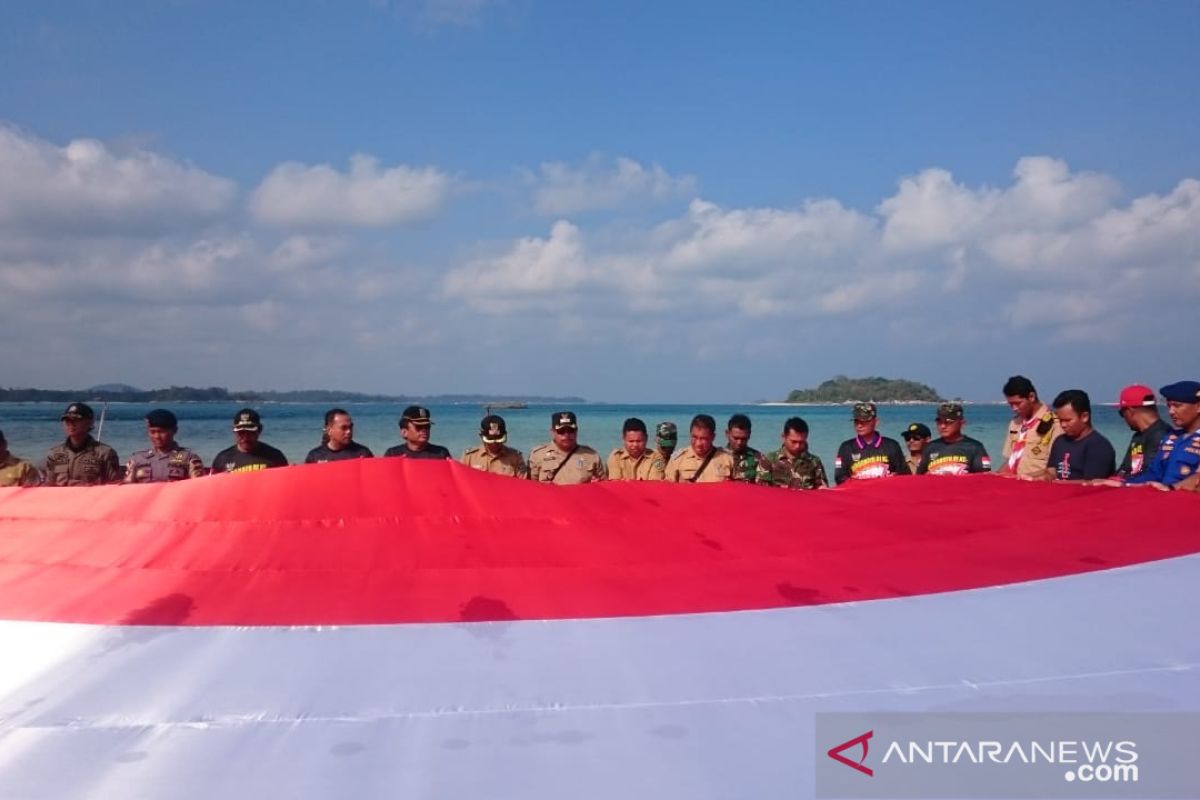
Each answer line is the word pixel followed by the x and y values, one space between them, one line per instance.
pixel 304 196
pixel 561 189
pixel 84 185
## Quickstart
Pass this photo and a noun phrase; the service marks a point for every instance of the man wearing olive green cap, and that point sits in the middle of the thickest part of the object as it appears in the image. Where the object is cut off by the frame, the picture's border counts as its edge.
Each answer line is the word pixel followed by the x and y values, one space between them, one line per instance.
pixel 667 438
pixel 953 453
pixel 869 454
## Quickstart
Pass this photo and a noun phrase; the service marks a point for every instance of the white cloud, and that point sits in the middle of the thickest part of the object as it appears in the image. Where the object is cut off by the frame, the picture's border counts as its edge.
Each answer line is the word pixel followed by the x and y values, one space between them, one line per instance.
pixel 298 195
pixel 87 186
pixel 560 189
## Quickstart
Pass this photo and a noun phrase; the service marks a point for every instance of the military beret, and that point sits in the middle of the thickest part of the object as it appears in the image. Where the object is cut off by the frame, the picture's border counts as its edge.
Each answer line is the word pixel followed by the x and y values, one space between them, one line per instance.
pixel 161 418
pixel 1182 392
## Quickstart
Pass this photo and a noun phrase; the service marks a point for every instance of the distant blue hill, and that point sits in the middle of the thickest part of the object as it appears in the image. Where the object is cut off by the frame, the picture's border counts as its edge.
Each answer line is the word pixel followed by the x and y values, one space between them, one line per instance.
pixel 122 393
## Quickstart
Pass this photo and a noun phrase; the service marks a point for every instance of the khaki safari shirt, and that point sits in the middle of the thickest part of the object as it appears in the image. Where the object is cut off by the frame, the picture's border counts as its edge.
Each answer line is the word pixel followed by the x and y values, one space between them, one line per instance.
pixel 684 465
pixel 623 467
pixel 508 461
pixel 1039 435
pixel 580 466
pixel 93 463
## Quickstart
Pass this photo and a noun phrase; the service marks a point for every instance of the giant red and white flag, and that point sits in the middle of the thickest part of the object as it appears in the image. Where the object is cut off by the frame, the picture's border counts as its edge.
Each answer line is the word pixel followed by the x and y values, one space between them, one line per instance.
pixel 390 628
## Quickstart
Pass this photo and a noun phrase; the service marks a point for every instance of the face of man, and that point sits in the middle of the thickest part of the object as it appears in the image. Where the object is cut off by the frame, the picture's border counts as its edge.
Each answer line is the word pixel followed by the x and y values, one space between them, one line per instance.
pixel 950 429
pixel 795 443
pixel 916 444
pixel 493 448
pixel 865 428
pixel 635 444
pixel 77 428
pixel 564 438
pixel 1184 415
pixel 246 441
pixel 702 441
pixel 416 435
pixel 339 431
pixel 1023 406
pixel 739 439
pixel 161 439
pixel 1073 423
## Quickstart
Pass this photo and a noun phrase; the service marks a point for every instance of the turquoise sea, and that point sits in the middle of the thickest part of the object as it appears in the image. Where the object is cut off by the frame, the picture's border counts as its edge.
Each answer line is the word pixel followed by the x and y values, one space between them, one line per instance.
pixel 295 428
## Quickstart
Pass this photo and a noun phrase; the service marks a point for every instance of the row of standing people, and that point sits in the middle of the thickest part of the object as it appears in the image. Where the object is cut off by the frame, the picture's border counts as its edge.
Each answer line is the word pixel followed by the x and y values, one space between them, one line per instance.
pixel 1041 444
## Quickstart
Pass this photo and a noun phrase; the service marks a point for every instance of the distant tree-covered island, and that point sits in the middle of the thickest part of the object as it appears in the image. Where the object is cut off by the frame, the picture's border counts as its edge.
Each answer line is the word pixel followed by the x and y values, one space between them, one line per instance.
pixel 841 389
pixel 122 393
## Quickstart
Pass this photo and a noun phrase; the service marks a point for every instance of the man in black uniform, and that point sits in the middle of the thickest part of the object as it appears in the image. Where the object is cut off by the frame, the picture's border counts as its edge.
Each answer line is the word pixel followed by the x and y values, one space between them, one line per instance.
pixel 81 460
pixel 166 460
pixel 337 443
pixel 249 454
pixel 1138 408
pixel 415 423
pixel 953 453
pixel 869 454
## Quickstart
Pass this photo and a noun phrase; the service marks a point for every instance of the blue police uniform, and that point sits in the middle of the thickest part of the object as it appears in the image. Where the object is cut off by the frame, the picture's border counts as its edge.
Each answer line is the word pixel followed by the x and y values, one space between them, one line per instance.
pixel 1179 454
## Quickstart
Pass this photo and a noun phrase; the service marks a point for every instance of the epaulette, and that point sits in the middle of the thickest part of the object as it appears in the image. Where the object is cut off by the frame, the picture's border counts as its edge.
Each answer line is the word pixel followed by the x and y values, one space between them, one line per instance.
pixel 1046 424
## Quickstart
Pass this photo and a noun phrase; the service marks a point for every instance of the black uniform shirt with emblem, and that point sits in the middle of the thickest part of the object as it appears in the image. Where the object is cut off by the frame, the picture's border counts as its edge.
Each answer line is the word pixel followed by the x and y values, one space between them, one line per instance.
pixel 954 458
pixel 869 458
pixel 433 451
pixel 89 464
pixel 176 463
pixel 1143 447
pixel 263 456
pixel 319 455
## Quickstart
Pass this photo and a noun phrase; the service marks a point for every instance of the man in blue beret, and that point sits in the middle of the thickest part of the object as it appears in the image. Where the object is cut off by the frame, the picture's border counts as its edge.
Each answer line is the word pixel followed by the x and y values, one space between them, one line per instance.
pixel 166 460
pixel 1178 459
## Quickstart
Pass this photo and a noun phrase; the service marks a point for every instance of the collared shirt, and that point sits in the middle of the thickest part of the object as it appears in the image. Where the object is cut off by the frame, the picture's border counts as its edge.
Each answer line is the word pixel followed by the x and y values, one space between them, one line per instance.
pixel 1178 459
pixel 805 471
pixel 508 461
pixel 1027 444
pixel 650 466
pixel 964 456
pixel 747 465
pixel 430 452
pixel 176 463
pixel 90 464
pixel 18 472
pixel 548 464
pixel 874 457
pixel 687 467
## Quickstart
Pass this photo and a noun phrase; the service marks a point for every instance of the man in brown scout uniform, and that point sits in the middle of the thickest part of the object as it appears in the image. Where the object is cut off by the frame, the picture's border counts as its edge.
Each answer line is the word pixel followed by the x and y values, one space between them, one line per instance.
pixel 16 471
pixel 81 460
pixel 793 465
pixel 493 455
pixel 1030 435
pixel 564 460
pixel 634 462
pixel 701 462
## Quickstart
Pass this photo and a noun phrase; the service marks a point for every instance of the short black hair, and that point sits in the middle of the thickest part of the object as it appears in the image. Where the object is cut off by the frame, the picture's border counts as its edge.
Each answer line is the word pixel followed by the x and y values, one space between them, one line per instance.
pixel 795 425
pixel 633 424
pixel 739 421
pixel 1018 386
pixel 703 421
pixel 1075 398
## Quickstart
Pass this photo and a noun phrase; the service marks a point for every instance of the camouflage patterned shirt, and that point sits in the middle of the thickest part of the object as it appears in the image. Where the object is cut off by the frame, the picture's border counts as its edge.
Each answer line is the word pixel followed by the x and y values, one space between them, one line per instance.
pixel 805 471
pixel 748 465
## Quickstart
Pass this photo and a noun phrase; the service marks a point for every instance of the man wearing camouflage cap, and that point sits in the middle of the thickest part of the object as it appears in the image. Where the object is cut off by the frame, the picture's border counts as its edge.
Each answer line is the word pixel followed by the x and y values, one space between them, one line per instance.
pixel 493 455
pixel 869 454
pixel 166 460
pixel 1178 459
pixel 415 424
pixel 916 438
pixel 666 435
pixel 81 460
pixel 563 460
pixel 953 453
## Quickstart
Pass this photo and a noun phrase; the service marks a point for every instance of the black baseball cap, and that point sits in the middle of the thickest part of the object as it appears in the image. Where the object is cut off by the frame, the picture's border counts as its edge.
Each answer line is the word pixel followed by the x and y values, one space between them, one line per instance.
pixel 162 418
pixel 78 411
pixel 917 430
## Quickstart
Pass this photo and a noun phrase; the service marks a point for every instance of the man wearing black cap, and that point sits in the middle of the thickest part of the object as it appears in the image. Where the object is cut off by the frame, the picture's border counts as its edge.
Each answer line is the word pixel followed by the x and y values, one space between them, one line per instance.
pixel 916 437
pixel 166 460
pixel 493 455
pixel 248 454
pixel 16 471
pixel 1178 459
pixel 869 454
pixel 81 460
pixel 952 453
pixel 415 423
pixel 564 460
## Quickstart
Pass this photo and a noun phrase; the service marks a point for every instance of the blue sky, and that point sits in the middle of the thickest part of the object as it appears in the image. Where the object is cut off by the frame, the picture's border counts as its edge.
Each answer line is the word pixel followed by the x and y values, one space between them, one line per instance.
pixel 625 201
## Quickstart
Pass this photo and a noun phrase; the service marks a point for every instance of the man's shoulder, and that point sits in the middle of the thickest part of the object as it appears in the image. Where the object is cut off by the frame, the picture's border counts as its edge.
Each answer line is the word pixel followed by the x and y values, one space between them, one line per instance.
pixel 542 449
pixel 395 450
pixel 472 451
pixel 617 452
pixel 583 449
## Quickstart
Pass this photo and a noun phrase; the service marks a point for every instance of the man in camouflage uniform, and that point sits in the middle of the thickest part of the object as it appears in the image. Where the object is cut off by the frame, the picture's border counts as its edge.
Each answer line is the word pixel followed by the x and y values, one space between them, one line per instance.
pixel 81 460
pixel 166 460
pixel 748 463
pixel 493 455
pixel 16 471
pixel 564 460
pixel 793 465
pixel 633 462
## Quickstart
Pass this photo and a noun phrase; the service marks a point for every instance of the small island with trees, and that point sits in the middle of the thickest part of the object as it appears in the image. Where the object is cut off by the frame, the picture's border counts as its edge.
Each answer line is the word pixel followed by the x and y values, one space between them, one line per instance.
pixel 841 389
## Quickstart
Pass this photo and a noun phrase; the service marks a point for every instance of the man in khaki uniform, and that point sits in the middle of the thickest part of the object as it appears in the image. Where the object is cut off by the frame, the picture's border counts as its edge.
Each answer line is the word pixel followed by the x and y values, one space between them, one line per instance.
pixel 916 438
pixel 493 455
pixel 564 460
pixel 634 462
pixel 701 462
pixel 81 460
pixel 16 471
pixel 1034 428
